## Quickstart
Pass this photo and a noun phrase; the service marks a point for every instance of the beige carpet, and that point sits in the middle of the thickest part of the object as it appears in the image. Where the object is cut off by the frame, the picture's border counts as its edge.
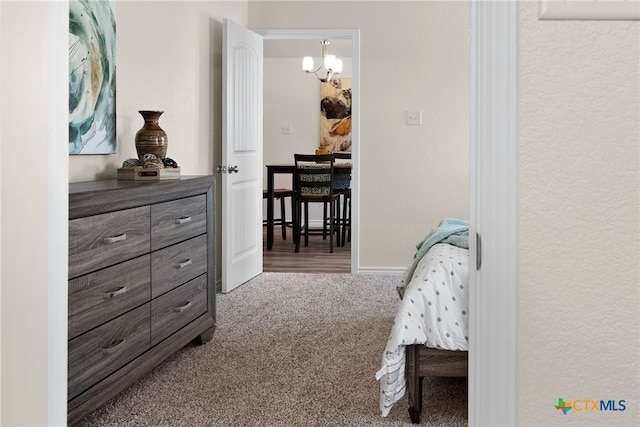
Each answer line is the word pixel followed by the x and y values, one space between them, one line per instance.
pixel 289 350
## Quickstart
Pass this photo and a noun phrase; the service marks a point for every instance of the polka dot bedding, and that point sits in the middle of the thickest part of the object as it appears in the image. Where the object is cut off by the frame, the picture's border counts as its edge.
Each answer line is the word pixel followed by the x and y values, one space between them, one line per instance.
pixel 434 311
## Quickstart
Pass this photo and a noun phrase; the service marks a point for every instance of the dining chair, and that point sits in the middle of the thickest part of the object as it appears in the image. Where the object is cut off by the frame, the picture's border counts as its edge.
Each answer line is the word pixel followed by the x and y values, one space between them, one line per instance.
pixel 343 187
pixel 280 194
pixel 314 183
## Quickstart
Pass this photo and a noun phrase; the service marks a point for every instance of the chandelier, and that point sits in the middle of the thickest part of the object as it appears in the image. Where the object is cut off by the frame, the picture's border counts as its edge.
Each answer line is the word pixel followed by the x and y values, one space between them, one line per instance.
pixel 330 63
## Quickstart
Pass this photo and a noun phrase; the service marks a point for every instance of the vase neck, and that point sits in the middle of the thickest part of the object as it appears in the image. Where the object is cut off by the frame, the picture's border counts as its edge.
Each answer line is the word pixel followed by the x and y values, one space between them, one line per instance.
pixel 151 116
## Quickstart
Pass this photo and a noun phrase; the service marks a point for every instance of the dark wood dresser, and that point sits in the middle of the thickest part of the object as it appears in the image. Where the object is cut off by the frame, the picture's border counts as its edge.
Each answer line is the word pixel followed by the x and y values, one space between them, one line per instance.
pixel 141 280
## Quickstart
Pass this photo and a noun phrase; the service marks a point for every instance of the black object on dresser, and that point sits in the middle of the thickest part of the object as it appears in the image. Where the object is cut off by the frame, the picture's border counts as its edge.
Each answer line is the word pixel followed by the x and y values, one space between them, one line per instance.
pixel 141 281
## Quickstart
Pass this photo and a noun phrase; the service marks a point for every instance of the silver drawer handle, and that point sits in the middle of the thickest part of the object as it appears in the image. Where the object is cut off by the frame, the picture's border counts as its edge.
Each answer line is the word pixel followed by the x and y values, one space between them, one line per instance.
pixel 114 345
pixel 182 307
pixel 183 264
pixel 183 220
pixel 121 290
pixel 119 238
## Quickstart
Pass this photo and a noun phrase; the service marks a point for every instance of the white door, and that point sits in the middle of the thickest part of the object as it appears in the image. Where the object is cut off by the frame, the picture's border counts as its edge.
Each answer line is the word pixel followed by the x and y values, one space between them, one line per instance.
pixel 241 155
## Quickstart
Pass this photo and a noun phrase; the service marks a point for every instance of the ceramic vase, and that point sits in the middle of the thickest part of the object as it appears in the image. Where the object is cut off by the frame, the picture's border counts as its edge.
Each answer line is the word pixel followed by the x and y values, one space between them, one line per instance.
pixel 151 138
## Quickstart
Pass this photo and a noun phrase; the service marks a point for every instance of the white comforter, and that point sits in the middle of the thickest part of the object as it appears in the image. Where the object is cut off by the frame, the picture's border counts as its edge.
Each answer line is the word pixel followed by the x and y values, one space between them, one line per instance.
pixel 434 311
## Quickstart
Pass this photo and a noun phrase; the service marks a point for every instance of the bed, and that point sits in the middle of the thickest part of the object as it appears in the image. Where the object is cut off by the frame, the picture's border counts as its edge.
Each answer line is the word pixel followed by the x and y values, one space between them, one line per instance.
pixel 429 336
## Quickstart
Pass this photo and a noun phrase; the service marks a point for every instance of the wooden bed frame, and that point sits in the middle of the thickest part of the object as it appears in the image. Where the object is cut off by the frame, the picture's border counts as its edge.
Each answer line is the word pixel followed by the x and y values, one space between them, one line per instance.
pixel 429 362
pixel 424 361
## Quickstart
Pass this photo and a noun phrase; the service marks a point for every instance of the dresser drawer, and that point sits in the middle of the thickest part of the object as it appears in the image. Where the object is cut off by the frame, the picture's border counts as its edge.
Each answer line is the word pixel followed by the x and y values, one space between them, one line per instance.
pixel 103 240
pixel 101 351
pixel 174 221
pixel 98 297
pixel 175 309
pixel 177 264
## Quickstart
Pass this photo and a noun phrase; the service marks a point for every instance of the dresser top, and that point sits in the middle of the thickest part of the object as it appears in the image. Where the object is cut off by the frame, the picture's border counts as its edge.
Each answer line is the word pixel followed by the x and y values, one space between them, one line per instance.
pixel 96 197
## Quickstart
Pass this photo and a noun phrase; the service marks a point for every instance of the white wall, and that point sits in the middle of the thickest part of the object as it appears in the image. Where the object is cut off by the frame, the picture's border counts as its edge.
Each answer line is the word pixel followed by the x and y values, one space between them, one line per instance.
pixel 415 175
pixel 579 218
pixel 24 212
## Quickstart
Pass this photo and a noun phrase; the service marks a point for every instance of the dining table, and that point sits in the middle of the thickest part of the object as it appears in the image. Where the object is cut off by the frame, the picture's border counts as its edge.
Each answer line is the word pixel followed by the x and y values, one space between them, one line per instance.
pixel 287 169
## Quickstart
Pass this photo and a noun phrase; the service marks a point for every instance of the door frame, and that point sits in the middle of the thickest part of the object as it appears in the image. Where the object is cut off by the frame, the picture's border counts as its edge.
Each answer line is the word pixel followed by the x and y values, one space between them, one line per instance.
pixel 493 212
pixel 354 36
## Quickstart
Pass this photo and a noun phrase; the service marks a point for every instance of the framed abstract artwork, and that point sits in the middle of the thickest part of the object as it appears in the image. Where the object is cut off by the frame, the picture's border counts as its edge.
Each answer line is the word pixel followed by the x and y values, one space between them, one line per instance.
pixel 335 115
pixel 92 77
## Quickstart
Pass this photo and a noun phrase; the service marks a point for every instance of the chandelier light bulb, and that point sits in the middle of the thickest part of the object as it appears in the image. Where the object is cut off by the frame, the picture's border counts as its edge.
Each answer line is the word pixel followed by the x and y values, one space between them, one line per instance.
pixel 329 62
pixel 307 64
pixel 337 67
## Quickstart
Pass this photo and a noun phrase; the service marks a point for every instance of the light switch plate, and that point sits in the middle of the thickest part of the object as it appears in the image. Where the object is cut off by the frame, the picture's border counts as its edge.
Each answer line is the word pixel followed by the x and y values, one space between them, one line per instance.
pixel 286 129
pixel 414 117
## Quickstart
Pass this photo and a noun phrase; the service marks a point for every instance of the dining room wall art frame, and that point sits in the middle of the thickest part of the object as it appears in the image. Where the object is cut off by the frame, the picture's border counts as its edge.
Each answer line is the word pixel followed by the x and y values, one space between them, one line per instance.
pixel 92 77
pixel 335 115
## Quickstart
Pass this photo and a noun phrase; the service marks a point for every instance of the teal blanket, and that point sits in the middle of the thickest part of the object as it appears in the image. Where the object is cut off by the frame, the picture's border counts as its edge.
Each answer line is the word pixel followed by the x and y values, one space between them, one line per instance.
pixel 452 231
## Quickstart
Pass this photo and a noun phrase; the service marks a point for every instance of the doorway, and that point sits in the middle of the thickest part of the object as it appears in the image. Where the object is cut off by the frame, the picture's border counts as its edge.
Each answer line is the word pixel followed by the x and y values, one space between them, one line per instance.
pixel 294 128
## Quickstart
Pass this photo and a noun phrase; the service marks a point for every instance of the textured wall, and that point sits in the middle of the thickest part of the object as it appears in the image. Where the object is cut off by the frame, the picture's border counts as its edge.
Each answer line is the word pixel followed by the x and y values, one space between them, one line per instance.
pixel 579 217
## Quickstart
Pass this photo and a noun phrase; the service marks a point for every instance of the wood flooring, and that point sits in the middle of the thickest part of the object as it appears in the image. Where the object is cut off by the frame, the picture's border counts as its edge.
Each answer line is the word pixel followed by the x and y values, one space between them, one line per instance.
pixel 314 258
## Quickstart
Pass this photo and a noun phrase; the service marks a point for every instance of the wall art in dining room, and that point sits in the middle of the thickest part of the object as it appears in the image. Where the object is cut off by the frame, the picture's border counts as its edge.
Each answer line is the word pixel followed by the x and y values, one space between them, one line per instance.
pixel 92 77
pixel 335 115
